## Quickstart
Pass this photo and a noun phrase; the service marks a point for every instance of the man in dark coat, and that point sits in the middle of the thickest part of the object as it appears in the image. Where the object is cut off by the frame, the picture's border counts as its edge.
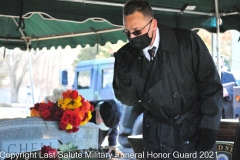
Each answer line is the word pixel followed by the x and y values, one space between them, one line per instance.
pixel 106 115
pixel 178 85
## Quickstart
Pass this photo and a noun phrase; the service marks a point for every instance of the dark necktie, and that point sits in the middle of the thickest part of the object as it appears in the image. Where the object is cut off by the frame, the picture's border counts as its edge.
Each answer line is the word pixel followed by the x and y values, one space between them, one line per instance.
pixel 151 53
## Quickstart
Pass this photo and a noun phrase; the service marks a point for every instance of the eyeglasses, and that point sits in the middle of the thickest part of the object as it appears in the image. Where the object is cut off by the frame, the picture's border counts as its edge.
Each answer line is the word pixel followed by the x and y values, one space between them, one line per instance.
pixel 136 32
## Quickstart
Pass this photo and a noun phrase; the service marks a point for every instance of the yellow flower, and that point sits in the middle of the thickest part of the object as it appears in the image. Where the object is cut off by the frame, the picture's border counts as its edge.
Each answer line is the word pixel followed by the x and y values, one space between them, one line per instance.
pixel 77 104
pixel 67 100
pixel 69 126
pixel 60 102
pixel 87 119
pixel 78 99
pixel 64 106
pixel 70 106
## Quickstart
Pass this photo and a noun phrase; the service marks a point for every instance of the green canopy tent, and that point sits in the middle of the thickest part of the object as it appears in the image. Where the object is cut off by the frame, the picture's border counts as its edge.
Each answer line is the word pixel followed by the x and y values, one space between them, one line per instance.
pixel 175 13
pixel 213 15
pixel 40 30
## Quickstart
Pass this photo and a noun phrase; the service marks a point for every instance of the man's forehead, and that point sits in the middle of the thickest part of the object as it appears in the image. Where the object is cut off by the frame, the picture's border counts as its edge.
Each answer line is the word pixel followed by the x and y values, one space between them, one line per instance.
pixel 133 21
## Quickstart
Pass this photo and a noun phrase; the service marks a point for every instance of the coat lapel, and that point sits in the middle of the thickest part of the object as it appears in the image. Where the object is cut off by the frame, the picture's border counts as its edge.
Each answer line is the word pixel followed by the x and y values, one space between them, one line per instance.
pixel 146 66
pixel 159 71
pixel 149 76
pixel 160 66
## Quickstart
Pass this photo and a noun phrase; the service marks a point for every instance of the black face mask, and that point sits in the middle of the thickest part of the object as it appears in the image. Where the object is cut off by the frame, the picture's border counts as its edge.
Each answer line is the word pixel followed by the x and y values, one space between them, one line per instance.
pixel 140 42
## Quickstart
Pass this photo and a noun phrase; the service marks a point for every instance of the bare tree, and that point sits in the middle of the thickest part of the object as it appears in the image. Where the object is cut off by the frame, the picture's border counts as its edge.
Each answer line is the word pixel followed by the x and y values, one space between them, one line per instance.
pixel 17 63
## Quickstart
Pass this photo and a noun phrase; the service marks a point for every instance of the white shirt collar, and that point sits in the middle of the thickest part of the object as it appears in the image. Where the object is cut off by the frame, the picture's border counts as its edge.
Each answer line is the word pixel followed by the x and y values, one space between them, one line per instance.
pixel 155 43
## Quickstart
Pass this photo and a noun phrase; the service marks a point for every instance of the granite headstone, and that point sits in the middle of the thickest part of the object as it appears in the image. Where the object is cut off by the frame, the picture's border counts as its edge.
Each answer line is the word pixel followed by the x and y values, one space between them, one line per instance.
pixel 21 135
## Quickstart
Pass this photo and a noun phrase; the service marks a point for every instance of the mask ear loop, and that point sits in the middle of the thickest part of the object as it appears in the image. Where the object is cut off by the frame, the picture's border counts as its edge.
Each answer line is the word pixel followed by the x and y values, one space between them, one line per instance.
pixel 150 27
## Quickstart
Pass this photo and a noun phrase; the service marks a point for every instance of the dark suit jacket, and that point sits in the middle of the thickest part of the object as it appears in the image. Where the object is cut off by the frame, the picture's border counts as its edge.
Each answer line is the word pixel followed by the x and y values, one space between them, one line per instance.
pixel 227 77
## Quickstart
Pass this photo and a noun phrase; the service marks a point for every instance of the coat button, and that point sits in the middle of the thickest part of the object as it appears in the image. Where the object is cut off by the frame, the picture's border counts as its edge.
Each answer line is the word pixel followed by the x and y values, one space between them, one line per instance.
pixel 175 94
pixel 163 145
pixel 150 100
pixel 186 142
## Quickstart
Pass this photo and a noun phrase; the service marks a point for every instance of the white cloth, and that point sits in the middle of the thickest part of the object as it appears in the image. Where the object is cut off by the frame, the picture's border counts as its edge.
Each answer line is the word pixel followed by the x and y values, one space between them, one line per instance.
pixel 155 43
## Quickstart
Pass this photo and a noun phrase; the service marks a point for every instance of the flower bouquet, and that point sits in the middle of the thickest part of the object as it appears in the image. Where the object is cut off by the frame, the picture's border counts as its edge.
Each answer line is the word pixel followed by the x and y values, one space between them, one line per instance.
pixel 65 106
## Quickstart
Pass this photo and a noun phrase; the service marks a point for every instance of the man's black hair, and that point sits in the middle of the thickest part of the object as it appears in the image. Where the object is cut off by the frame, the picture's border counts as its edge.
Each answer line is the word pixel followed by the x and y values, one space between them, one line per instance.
pixel 142 6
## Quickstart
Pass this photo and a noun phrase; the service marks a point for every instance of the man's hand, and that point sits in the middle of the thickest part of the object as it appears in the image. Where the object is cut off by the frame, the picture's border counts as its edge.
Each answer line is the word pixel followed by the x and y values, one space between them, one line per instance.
pixel 225 92
pixel 207 139
pixel 124 61
pixel 118 153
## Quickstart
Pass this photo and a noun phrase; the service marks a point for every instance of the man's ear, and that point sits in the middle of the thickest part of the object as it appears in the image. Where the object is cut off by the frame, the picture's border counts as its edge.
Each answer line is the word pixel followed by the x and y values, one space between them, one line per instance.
pixel 154 24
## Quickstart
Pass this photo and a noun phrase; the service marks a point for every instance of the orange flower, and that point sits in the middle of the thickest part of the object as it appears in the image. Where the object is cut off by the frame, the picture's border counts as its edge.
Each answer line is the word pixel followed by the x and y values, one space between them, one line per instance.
pixel 87 117
pixel 81 114
pixel 35 112
pixel 86 106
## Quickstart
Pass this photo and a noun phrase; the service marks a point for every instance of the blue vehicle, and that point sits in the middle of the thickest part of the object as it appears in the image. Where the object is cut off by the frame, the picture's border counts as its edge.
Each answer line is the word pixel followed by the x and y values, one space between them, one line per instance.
pixel 93 79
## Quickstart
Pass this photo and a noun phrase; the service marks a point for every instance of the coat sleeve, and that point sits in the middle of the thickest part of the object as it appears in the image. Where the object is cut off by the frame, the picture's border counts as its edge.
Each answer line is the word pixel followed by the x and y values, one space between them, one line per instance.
pixel 209 84
pixel 112 137
pixel 126 94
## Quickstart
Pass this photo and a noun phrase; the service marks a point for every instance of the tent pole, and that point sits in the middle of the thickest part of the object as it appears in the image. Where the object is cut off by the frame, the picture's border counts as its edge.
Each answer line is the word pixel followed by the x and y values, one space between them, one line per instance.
pixel 218 37
pixel 30 72
pixel 29 58
pixel 96 32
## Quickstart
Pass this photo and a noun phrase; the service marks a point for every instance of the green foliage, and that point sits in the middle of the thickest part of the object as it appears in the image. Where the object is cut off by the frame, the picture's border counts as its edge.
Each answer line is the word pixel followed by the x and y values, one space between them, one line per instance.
pixel 69 146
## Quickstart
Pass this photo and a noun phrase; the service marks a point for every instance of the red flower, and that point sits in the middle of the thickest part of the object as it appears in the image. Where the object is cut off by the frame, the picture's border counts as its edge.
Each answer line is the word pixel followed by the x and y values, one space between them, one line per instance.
pixel 43 106
pixel 74 94
pixel 36 106
pixel 49 153
pixel 74 120
pixel 83 99
pixel 66 94
pixel 65 118
pixel 45 114
pixel 75 129
pixel 58 114
pixel 92 108
pixel 62 126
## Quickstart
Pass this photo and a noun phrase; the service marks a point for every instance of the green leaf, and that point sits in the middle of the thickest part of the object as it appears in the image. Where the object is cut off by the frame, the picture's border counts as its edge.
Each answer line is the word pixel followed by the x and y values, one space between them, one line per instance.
pixel 60 142
pixel 63 148
pixel 70 145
